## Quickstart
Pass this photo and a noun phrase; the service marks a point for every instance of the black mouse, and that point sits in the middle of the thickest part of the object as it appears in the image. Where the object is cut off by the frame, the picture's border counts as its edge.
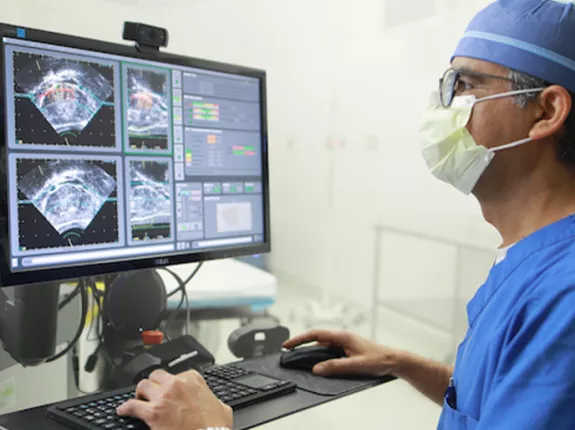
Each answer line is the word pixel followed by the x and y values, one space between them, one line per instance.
pixel 305 358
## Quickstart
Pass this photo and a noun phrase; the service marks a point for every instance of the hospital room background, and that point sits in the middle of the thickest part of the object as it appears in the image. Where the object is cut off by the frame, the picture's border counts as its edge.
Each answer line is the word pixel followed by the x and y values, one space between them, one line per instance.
pixel 363 237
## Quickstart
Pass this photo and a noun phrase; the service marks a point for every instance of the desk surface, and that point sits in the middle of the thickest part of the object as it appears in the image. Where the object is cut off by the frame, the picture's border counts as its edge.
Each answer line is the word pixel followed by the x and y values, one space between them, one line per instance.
pixel 391 406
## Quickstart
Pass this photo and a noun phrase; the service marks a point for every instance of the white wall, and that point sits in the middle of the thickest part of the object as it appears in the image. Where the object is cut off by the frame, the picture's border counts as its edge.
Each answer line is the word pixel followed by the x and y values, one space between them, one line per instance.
pixel 345 95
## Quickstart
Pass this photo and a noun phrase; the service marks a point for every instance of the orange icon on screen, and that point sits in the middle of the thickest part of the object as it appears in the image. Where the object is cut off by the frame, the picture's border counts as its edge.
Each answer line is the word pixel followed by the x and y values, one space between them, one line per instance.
pixel 212 139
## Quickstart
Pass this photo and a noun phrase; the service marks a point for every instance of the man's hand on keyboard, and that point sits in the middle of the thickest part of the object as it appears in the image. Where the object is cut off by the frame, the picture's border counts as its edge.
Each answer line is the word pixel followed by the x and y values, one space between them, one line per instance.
pixel 168 402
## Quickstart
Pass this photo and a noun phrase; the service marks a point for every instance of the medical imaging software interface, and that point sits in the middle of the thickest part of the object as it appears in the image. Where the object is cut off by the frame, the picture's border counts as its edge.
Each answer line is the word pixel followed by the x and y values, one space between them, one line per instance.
pixel 113 158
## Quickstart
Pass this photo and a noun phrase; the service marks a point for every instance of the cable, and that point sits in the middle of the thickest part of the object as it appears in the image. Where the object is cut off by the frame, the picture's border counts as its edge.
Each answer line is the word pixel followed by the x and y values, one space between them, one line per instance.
pixel 187 329
pixel 183 284
pixel 93 357
pixel 69 297
pixel 188 279
pixel 84 301
pixel 182 288
pixel 95 319
pixel 186 282
pixel 108 280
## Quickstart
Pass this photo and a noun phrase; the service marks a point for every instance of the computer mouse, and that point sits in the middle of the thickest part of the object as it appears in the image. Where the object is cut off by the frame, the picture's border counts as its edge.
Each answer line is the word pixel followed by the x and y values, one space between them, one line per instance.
pixel 305 358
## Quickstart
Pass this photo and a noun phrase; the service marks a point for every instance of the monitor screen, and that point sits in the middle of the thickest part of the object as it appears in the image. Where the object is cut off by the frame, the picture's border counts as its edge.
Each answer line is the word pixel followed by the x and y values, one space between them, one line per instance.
pixel 115 160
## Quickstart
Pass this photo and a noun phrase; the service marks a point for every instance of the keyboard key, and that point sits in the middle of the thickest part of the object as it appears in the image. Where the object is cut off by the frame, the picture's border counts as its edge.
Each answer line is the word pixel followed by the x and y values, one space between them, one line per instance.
pixel 266 388
pixel 89 418
pixel 110 426
pixel 100 421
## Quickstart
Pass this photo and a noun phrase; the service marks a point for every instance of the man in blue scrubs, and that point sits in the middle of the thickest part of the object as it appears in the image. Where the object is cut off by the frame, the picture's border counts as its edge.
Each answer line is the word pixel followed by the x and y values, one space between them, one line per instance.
pixel 501 126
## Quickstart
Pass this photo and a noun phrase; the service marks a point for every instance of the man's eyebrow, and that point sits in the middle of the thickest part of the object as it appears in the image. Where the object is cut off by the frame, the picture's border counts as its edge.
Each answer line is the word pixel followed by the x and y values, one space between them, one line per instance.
pixel 466 71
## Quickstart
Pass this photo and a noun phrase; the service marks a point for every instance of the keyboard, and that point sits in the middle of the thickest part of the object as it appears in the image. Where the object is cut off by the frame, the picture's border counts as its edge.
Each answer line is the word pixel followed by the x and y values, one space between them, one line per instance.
pixel 234 386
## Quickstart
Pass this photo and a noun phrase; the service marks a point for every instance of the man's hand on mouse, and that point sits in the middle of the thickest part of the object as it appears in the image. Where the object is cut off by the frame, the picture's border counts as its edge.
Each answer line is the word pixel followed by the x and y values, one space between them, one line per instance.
pixel 168 402
pixel 364 357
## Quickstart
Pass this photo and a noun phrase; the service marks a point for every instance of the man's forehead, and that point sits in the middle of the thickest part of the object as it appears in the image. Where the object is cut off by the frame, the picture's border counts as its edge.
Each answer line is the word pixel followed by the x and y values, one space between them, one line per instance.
pixel 479 66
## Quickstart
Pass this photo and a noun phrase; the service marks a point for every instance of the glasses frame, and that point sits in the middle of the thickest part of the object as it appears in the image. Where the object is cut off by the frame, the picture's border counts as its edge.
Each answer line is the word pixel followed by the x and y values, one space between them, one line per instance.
pixel 458 73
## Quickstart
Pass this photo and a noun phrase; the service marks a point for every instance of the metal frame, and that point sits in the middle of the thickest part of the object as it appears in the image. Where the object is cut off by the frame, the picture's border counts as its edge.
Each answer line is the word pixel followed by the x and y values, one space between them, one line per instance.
pixel 377 302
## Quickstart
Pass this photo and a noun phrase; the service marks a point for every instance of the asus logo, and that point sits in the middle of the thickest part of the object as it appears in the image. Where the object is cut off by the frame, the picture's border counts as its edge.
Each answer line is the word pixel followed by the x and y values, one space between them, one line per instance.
pixel 162 261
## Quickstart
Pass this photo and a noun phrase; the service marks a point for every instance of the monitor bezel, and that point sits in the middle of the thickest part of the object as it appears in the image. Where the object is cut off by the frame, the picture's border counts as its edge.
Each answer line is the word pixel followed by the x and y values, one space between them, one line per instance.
pixel 9 278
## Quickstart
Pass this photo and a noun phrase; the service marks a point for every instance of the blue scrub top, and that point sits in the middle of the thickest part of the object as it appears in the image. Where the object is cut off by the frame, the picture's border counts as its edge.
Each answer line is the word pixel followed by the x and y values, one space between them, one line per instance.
pixel 515 369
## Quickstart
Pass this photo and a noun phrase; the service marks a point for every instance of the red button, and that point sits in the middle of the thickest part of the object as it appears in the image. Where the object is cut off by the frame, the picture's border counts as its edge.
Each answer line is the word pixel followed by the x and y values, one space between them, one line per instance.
pixel 152 337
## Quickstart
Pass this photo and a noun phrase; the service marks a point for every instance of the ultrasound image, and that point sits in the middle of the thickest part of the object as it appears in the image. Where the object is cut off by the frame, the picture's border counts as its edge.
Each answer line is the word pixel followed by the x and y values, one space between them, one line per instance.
pixel 148 104
pixel 63 102
pixel 150 201
pixel 66 203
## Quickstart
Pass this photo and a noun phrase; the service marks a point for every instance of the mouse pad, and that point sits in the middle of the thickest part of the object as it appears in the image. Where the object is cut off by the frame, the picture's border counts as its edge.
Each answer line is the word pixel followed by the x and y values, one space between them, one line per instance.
pixel 269 365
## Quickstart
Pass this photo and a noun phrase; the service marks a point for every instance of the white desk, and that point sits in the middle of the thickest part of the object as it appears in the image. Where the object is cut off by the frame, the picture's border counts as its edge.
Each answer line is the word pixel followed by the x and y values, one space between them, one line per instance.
pixel 391 406
pixel 223 284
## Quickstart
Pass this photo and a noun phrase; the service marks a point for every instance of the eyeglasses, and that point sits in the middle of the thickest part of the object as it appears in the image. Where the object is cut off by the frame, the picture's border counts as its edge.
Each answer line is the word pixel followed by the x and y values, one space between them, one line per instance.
pixel 449 85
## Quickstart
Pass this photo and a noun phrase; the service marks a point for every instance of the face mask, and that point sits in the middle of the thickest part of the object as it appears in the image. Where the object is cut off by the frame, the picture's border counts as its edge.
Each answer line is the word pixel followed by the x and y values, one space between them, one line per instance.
pixel 451 153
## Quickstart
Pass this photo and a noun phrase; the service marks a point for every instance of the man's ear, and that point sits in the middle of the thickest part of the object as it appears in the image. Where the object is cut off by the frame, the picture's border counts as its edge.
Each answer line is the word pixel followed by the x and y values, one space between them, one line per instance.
pixel 553 110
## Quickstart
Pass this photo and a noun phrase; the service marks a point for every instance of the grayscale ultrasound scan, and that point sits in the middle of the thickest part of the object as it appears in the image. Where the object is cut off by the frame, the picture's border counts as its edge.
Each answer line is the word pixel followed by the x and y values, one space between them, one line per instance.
pixel 150 201
pixel 148 107
pixel 67 202
pixel 62 101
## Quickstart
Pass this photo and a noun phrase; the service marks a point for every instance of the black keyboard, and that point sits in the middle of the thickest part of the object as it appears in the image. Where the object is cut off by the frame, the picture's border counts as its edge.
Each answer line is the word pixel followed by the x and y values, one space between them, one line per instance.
pixel 234 386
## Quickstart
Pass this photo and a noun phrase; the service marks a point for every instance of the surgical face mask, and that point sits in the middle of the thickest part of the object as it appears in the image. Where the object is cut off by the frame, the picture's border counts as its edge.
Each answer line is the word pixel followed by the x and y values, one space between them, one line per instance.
pixel 451 153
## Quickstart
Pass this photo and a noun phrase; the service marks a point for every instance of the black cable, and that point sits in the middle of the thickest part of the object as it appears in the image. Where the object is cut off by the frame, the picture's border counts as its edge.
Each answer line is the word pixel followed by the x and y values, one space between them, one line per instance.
pixel 92 359
pixel 182 288
pixel 84 302
pixel 108 280
pixel 188 279
pixel 69 297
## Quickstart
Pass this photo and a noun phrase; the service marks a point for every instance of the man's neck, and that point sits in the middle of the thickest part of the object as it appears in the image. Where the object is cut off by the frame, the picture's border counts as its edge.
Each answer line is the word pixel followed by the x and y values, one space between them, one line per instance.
pixel 530 206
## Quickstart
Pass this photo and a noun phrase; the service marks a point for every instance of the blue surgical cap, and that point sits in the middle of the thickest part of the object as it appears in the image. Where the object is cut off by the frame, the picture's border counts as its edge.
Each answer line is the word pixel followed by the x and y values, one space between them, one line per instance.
pixel 531 36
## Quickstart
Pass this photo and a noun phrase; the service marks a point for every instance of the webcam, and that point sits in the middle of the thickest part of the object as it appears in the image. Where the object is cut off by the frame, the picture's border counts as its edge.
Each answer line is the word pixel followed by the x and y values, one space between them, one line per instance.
pixel 148 38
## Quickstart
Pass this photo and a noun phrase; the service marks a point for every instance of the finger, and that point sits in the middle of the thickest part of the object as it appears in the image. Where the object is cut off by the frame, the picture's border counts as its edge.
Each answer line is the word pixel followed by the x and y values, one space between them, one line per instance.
pixel 134 408
pixel 341 366
pixel 324 337
pixel 148 390
pixel 161 377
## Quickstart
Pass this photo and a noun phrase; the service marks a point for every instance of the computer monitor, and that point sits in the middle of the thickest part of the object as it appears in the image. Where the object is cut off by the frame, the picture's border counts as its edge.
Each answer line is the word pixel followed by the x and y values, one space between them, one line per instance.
pixel 117 160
